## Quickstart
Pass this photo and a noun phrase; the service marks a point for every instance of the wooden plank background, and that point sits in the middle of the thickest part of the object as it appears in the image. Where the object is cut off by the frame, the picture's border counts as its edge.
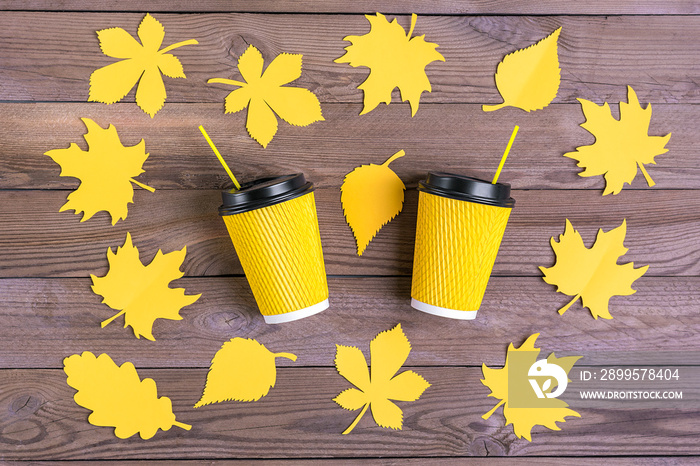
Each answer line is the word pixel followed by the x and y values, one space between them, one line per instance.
pixel 47 310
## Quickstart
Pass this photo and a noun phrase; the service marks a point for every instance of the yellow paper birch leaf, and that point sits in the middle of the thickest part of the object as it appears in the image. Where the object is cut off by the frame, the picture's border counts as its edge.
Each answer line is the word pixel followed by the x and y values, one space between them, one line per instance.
pixel 621 145
pixel 141 292
pixel 529 78
pixel 371 195
pixel 592 274
pixel 106 171
pixel 526 388
pixel 378 386
pixel 395 59
pixel 117 396
pixel 142 63
pixel 265 95
pixel 242 370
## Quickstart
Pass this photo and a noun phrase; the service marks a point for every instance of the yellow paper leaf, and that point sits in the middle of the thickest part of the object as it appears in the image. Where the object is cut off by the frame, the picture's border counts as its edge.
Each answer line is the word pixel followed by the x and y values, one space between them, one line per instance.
pixel 621 145
pixel 142 63
pixel 140 291
pixel 513 385
pixel 388 351
pixel 592 274
pixel 105 171
pixel 265 95
pixel 371 196
pixel 117 396
pixel 242 370
pixel 394 58
pixel 529 78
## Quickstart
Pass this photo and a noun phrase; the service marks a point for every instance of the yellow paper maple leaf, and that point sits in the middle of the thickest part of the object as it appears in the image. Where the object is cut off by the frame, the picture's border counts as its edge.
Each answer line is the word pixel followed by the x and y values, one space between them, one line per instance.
pixel 621 145
pixel 371 195
pixel 394 58
pixel 143 64
pixel 529 78
pixel 592 274
pixel 242 370
pixel 117 396
pixel 388 351
pixel 105 171
pixel 512 385
pixel 141 291
pixel 264 94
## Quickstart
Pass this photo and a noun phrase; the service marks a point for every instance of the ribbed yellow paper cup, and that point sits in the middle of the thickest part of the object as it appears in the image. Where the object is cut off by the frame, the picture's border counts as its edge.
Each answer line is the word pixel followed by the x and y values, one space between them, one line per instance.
pixel 461 221
pixel 274 229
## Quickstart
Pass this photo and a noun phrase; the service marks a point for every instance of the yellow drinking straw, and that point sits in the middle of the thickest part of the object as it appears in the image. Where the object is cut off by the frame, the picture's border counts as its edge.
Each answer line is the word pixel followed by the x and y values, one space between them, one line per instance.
pixel 505 154
pixel 221 159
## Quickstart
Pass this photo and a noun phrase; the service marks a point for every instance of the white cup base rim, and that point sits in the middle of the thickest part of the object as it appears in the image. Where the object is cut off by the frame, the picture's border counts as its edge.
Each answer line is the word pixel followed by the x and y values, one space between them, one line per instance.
pixel 298 314
pixel 442 311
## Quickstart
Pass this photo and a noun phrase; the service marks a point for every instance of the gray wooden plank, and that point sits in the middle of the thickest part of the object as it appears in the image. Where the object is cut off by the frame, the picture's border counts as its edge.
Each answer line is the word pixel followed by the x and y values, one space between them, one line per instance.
pixel 44 320
pixel 459 138
pixel 444 7
pixel 38 241
pixel 599 55
pixel 297 419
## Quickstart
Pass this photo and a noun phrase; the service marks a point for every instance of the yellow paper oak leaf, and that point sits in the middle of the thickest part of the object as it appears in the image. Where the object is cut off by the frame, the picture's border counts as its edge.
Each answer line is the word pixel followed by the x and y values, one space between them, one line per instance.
pixel 140 291
pixel 142 63
pixel 117 396
pixel 394 58
pixel 529 78
pixel 621 145
pixel 264 94
pixel 242 370
pixel 526 386
pixel 105 170
pixel 592 274
pixel 371 196
pixel 377 388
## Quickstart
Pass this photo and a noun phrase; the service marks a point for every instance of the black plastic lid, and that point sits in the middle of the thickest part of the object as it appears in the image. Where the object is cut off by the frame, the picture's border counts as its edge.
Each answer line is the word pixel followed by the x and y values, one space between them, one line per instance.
pixel 264 192
pixel 466 188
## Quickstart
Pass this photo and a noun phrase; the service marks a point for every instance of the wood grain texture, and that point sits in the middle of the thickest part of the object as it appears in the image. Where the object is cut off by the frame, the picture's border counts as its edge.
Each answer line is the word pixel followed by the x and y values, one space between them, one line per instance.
pixel 599 55
pixel 38 241
pixel 490 460
pixel 657 325
pixel 459 138
pixel 298 419
pixel 443 7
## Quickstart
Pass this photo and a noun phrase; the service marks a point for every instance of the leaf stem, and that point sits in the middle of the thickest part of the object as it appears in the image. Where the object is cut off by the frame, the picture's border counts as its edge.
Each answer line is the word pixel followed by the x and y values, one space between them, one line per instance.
pixel 414 18
pixel 563 309
pixel 290 356
pixel 357 419
pixel 141 185
pixel 493 410
pixel 650 182
pixel 397 155
pixel 491 108
pixel 179 44
pixel 230 82
pixel 104 323
pixel 182 425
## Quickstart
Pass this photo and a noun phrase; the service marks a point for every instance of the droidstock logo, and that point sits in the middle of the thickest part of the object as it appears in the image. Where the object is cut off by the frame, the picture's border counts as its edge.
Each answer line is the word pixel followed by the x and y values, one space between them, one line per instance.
pixel 551 371
pixel 537 382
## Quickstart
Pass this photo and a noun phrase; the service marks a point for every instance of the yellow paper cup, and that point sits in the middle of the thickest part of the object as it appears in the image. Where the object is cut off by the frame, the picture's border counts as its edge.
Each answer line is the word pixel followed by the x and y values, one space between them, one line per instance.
pixel 461 221
pixel 274 229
